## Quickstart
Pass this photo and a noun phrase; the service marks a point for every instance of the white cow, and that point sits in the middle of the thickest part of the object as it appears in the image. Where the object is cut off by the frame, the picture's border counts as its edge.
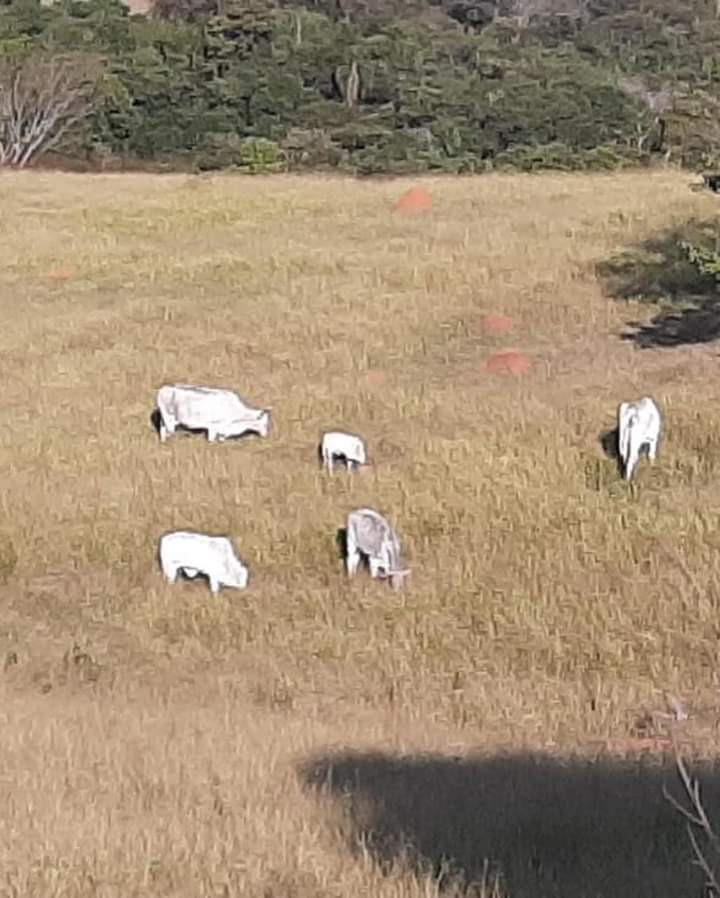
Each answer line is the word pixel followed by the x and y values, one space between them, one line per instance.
pixel 222 413
pixel 198 553
pixel 337 444
pixel 639 425
pixel 369 534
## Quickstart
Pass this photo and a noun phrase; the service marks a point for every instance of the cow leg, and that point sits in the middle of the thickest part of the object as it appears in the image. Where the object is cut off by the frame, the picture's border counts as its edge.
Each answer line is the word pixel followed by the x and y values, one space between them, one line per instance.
pixel 171 571
pixel 352 557
pixel 212 435
pixel 652 448
pixel 214 586
pixel 353 562
pixel 632 460
pixel 167 428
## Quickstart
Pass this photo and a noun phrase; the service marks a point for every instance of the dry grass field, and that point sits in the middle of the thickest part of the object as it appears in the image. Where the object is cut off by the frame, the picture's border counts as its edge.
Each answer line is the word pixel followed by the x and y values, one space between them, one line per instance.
pixel 312 737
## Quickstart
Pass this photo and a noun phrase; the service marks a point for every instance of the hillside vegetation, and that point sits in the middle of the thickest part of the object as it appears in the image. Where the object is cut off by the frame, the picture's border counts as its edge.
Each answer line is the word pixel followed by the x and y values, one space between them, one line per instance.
pixel 374 86
pixel 313 737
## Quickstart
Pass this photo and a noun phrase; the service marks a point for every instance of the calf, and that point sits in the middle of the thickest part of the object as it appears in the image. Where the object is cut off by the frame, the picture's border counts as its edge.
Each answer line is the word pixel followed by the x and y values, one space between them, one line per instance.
pixel 337 444
pixel 639 426
pixel 369 534
pixel 222 413
pixel 198 553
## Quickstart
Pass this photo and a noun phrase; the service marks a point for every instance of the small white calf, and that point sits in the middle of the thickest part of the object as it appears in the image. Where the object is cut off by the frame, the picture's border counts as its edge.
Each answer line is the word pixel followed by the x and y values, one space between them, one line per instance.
pixel 337 444
pixel 369 534
pixel 639 425
pixel 222 413
pixel 198 553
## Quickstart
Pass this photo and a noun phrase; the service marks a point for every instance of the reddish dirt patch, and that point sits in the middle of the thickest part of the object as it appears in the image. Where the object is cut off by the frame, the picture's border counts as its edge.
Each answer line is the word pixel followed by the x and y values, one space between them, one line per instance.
pixel 508 362
pixel 374 378
pixel 498 324
pixel 60 274
pixel 415 200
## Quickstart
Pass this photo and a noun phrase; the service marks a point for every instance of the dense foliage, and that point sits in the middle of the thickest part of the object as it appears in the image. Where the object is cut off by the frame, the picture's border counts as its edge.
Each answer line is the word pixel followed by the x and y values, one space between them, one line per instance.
pixel 388 85
pixel 705 255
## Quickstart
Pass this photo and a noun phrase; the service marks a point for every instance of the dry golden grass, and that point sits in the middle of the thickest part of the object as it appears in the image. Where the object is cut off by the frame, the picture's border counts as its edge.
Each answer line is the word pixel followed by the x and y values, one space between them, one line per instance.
pixel 454 728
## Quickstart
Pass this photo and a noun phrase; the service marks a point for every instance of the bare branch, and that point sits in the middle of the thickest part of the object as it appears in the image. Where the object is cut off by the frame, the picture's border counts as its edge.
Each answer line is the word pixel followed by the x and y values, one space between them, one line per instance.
pixel 697 820
pixel 657 101
pixel 41 99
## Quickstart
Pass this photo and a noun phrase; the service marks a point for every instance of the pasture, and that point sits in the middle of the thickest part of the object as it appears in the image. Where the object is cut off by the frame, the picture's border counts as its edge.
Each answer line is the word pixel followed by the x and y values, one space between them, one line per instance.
pixel 313 737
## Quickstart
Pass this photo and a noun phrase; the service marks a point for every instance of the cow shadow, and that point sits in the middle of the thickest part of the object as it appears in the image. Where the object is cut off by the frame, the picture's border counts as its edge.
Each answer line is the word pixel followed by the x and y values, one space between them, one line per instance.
pixel 341 542
pixel 536 825
pixel 658 270
pixel 156 420
pixel 609 441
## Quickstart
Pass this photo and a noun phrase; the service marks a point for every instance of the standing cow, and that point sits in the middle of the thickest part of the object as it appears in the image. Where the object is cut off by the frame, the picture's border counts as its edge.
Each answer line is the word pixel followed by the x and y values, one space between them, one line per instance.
pixel 198 553
pixel 336 444
pixel 639 426
pixel 368 533
pixel 222 413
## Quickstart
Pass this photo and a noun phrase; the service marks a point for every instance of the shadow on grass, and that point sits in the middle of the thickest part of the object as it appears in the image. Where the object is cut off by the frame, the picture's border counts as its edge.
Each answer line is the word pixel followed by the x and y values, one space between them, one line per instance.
pixel 341 542
pixel 546 826
pixel 156 420
pixel 610 444
pixel 658 271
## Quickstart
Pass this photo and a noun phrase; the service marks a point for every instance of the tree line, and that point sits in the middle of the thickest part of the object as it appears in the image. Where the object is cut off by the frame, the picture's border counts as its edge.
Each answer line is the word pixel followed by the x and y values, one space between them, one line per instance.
pixel 362 86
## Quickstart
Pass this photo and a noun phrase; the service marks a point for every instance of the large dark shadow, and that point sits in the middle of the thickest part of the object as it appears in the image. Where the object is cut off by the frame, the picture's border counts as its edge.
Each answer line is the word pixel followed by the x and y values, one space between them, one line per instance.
pixel 696 324
pixel 658 271
pixel 550 828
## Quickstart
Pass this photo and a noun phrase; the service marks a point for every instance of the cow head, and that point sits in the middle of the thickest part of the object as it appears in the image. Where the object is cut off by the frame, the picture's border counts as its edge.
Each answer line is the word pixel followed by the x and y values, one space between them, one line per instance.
pixel 240 575
pixel 264 422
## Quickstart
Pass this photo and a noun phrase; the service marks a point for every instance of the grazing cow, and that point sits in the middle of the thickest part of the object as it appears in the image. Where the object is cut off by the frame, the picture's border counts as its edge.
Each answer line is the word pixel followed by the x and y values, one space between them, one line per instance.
pixel 639 426
pixel 222 413
pixel 337 444
pixel 369 534
pixel 198 553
